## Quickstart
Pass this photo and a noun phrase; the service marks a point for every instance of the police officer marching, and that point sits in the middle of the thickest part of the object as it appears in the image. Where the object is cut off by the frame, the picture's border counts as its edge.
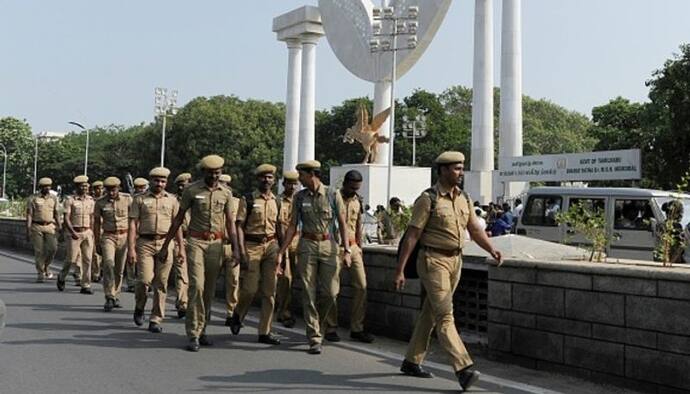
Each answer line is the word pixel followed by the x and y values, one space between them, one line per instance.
pixel 211 214
pixel 439 219
pixel 257 220
pixel 79 224
pixel 358 279
pixel 284 285
pixel 150 219
pixel 42 222
pixel 96 193
pixel 179 264
pixel 321 214
pixel 111 215
pixel 230 266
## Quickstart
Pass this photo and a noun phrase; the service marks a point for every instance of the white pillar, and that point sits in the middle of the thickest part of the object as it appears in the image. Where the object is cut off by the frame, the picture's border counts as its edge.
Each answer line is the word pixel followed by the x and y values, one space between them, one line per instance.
pixel 510 132
pixel 292 104
pixel 382 100
pixel 482 158
pixel 307 97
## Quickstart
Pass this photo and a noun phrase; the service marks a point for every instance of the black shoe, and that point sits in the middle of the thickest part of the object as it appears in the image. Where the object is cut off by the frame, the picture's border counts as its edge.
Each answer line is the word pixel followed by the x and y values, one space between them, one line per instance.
pixel 60 283
pixel 416 370
pixel 362 336
pixel 116 303
pixel 228 321
pixel 155 328
pixel 130 289
pixel 139 317
pixel 235 324
pixel 193 345
pixel 289 322
pixel 269 339
pixel 332 337
pixel 86 290
pixel 467 377
pixel 204 340
pixel 314 348
pixel 181 313
pixel 109 305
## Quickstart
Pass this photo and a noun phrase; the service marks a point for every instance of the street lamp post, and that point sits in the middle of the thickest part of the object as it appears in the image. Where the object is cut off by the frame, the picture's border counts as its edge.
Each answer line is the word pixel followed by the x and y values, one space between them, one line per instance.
pixel 165 106
pixel 4 171
pixel 414 128
pixel 86 151
pixel 388 24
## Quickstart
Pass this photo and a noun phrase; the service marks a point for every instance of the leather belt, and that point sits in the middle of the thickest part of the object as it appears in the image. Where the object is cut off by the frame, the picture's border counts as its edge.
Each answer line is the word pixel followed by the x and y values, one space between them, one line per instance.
pixel 80 229
pixel 316 237
pixel 116 232
pixel 259 238
pixel 445 252
pixel 352 241
pixel 41 223
pixel 153 237
pixel 206 235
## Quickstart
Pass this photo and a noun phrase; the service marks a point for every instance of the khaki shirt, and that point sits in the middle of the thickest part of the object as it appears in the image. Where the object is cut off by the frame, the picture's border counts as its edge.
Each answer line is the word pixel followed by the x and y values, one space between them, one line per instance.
pixel 154 213
pixel 81 209
pixel 208 205
pixel 314 210
pixel 445 227
pixel 43 208
pixel 114 212
pixel 353 211
pixel 264 215
pixel 285 216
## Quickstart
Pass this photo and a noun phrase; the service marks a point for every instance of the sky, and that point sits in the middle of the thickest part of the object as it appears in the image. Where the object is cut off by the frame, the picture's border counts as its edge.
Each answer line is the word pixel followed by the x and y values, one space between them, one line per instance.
pixel 98 62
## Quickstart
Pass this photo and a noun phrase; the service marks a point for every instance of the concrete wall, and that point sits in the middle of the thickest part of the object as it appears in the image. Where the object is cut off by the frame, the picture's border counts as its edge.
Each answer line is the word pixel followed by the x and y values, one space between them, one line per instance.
pixel 621 324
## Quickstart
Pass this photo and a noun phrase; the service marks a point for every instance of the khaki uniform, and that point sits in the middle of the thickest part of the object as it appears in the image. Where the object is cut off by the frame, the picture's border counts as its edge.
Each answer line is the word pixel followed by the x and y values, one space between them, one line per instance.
pixel 80 210
pixel 154 215
pixel 232 270
pixel 262 248
pixel 209 207
pixel 358 278
pixel 284 285
pixel 114 216
pixel 317 254
pixel 43 211
pixel 439 265
pixel 180 268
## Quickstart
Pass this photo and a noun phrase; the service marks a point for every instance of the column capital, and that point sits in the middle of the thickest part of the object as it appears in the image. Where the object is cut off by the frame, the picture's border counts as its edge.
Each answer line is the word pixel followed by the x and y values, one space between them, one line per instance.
pixel 310 38
pixel 293 43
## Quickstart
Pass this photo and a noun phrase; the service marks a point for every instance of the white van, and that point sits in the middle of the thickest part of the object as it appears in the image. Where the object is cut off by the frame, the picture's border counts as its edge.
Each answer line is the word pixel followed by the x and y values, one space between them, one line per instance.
pixel 630 213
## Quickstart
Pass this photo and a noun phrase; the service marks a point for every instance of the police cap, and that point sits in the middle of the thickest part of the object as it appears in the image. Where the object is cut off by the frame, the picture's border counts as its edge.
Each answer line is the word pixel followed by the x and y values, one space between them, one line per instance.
pixel 264 169
pixel 212 162
pixel 81 179
pixel 185 176
pixel 111 181
pixel 45 182
pixel 450 157
pixel 140 182
pixel 291 175
pixel 309 165
pixel 159 172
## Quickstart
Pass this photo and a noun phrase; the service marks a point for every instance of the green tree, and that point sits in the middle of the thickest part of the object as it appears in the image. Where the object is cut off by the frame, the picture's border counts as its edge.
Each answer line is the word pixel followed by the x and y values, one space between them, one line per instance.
pixel 16 135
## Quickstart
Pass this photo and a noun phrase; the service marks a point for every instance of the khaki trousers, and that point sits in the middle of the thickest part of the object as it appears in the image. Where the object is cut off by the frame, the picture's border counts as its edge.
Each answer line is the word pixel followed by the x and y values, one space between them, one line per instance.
pixel 318 266
pixel 181 280
pixel 150 273
pixel 259 276
pixel 439 275
pixel 130 274
pixel 232 281
pixel 284 286
pixel 44 241
pixel 358 281
pixel 114 249
pixel 204 260
pixel 82 246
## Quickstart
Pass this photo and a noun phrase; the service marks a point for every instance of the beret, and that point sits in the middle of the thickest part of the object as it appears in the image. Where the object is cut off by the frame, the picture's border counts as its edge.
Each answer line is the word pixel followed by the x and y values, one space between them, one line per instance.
pixel 308 165
pixel 45 182
pixel 225 178
pixel 97 184
pixel 81 179
pixel 291 175
pixel 450 157
pixel 111 181
pixel 265 168
pixel 212 162
pixel 141 182
pixel 161 172
pixel 185 176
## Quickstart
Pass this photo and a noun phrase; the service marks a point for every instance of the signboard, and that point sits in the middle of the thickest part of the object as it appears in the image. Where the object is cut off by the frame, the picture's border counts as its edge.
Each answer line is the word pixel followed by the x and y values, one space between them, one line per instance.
pixel 592 166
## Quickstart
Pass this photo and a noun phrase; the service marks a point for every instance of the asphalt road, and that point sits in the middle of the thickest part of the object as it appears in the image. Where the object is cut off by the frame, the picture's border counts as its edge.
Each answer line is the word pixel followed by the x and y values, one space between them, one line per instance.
pixel 64 342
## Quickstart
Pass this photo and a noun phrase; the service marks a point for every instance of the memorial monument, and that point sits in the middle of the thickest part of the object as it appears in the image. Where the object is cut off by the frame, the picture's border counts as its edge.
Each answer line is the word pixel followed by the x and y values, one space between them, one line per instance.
pixel 366 133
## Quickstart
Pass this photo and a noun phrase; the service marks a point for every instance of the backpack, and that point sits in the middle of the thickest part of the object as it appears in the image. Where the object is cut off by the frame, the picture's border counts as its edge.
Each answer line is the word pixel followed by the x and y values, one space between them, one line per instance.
pixel 411 264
